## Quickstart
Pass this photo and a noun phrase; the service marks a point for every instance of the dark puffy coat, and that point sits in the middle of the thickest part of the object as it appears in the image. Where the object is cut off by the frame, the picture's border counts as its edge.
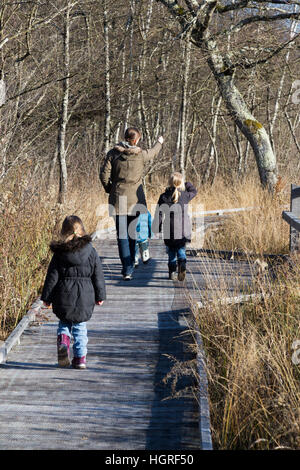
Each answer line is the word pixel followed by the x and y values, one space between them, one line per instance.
pixel 173 219
pixel 75 280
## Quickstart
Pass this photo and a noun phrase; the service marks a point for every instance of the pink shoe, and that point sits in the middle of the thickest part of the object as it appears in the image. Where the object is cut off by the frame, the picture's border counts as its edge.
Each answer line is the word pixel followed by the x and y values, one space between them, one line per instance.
pixel 63 349
pixel 79 362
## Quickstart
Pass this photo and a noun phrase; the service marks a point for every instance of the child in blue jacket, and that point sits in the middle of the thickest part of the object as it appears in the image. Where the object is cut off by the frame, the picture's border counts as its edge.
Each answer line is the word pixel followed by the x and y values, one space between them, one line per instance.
pixel 143 231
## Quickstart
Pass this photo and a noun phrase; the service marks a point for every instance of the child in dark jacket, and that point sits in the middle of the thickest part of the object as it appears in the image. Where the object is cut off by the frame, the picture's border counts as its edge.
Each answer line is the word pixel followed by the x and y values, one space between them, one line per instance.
pixel 73 285
pixel 173 219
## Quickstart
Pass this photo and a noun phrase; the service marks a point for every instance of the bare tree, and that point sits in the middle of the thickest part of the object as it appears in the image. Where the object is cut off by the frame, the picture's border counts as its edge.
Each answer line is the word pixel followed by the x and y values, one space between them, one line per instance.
pixel 62 127
pixel 107 125
pixel 198 20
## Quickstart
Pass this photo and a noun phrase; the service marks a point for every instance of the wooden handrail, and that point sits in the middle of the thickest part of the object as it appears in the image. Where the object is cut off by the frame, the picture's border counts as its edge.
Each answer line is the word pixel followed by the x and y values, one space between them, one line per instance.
pixel 222 211
pixel 292 217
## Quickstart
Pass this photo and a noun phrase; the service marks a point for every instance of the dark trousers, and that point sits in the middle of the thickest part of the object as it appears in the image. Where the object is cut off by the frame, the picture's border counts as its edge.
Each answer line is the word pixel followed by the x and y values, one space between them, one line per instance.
pixel 126 230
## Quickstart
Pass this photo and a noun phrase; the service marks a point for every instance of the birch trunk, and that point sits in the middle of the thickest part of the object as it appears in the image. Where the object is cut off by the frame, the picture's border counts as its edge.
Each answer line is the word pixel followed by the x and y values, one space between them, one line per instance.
pixel 212 154
pixel 177 148
pixel 184 108
pixel 130 78
pixel 293 29
pixel 61 140
pixel 107 124
pixel 142 68
pixel 252 129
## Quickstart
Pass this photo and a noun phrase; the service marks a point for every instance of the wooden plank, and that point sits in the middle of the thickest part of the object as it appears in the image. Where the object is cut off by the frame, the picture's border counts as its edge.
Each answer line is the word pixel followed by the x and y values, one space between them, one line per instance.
pixel 292 217
pixel 234 255
pixel 294 223
pixel 14 337
pixel 223 211
pixel 235 299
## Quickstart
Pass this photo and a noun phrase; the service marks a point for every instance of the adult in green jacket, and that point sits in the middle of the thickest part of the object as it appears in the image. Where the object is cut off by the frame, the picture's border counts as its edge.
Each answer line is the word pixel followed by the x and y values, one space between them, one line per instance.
pixel 121 176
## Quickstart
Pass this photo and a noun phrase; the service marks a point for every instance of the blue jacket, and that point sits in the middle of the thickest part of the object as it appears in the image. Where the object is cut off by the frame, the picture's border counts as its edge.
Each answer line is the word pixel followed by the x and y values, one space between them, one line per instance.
pixel 143 227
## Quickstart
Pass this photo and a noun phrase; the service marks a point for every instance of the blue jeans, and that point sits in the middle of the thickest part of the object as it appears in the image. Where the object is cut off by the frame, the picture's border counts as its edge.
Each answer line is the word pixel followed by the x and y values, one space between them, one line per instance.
pixel 126 241
pixel 79 332
pixel 174 255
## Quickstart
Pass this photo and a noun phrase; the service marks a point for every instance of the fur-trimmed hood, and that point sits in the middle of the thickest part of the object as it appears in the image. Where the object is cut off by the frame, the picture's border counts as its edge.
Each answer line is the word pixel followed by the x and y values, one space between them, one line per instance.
pixel 74 280
pixel 126 149
pixel 74 251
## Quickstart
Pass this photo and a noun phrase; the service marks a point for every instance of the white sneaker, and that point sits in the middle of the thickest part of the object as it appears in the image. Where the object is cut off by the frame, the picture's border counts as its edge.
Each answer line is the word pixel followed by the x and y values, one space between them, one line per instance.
pixel 145 255
pixel 144 250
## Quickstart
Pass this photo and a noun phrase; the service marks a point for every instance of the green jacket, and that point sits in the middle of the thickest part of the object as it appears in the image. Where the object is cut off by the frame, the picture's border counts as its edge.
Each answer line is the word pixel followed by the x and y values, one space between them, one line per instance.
pixel 121 176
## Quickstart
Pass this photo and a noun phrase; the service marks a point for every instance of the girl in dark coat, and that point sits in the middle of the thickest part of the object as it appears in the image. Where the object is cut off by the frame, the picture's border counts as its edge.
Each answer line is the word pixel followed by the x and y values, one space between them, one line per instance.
pixel 73 285
pixel 173 219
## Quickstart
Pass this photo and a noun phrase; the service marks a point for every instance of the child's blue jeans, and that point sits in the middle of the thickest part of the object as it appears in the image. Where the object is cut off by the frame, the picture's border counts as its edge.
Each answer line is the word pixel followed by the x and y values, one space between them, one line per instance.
pixel 174 256
pixel 79 332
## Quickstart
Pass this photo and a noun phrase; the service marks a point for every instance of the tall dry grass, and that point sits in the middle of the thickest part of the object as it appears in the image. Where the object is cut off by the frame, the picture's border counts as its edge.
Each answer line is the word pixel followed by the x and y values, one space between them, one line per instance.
pixel 259 230
pixel 253 383
pixel 254 386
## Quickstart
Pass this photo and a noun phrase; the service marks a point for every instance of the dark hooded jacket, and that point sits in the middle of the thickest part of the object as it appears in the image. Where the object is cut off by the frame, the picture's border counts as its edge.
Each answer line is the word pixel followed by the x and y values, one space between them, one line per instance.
pixel 121 176
pixel 173 219
pixel 75 280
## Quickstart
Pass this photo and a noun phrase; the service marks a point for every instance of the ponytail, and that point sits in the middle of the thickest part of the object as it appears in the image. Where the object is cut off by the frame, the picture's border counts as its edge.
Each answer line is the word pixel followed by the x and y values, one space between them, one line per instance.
pixel 72 227
pixel 176 181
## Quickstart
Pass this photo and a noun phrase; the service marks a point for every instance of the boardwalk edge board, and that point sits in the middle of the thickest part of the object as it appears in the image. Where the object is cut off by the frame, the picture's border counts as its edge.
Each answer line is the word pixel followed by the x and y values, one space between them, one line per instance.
pixel 14 337
pixel 230 255
pixel 204 421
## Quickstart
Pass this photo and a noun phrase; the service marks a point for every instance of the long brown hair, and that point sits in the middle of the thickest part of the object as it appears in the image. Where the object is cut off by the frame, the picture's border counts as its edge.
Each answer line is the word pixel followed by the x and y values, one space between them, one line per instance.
pixel 132 134
pixel 176 181
pixel 72 227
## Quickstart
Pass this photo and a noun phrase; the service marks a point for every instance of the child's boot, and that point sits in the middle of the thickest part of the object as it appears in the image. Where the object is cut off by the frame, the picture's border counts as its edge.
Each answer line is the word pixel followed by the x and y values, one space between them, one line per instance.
pixel 79 362
pixel 63 348
pixel 181 270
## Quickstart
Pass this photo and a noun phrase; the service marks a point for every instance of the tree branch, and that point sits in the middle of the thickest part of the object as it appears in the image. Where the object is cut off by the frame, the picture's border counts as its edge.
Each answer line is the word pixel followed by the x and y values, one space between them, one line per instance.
pixel 249 65
pixel 259 18
pixel 252 4
pixel 35 25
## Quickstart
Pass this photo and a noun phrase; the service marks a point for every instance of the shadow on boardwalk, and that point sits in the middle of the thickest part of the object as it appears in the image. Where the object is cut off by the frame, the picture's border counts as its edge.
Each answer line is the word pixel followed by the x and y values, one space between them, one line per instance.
pixel 169 413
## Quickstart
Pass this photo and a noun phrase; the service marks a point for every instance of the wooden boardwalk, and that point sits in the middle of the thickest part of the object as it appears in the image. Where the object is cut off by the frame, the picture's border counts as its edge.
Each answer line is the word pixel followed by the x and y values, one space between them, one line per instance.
pixel 121 402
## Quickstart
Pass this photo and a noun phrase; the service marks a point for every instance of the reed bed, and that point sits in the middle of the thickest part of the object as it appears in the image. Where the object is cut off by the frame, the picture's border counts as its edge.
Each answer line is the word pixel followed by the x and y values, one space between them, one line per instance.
pixel 254 387
pixel 253 381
